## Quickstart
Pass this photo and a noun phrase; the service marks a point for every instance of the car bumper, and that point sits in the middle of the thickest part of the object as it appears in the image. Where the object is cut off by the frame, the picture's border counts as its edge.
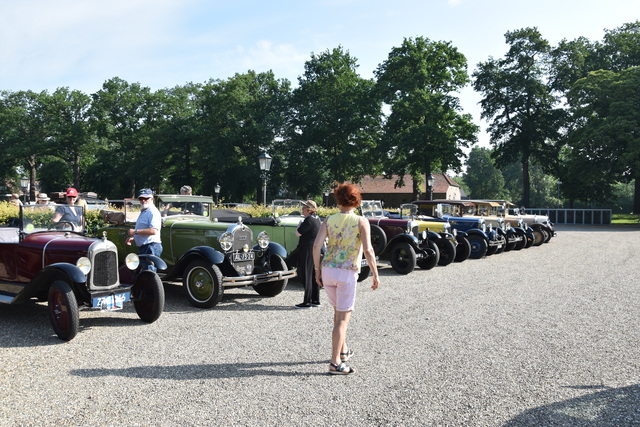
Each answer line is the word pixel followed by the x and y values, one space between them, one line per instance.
pixel 256 279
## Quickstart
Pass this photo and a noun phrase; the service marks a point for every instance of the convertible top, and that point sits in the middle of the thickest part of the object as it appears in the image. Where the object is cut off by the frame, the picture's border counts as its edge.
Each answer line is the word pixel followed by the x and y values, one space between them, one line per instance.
pixel 231 215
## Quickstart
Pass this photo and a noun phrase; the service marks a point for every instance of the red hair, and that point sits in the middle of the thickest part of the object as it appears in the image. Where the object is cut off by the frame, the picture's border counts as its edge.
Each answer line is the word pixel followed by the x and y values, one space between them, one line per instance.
pixel 347 195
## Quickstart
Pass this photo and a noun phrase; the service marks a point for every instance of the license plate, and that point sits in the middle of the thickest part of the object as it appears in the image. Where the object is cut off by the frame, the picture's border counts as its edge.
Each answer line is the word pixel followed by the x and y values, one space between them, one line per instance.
pixel 243 256
pixel 111 302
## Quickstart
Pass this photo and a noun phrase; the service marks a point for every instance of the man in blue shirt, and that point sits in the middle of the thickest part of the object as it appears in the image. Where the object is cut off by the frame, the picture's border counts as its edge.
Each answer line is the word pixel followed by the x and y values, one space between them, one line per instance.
pixel 147 232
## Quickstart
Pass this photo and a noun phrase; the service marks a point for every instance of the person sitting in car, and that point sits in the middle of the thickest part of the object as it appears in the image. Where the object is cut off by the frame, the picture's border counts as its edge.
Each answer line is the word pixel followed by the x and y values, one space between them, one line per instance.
pixel 69 213
pixel 194 208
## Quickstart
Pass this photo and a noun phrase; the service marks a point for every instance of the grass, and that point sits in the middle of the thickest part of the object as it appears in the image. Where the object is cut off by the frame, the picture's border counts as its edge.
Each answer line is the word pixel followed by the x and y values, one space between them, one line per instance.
pixel 625 219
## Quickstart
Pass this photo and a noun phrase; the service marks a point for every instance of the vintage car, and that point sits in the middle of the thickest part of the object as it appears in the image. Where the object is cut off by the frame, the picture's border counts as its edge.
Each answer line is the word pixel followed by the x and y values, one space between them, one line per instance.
pixel 453 246
pixel 399 241
pixel 481 237
pixel 204 254
pixel 281 226
pixel 542 228
pixel 58 263
pixel 516 233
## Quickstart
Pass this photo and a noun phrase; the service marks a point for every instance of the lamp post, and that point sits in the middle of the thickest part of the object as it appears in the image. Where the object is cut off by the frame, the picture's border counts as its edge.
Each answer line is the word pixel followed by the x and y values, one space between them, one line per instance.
pixel 326 197
pixel 559 201
pixel 264 160
pixel 217 191
pixel 24 186
pixel 430 181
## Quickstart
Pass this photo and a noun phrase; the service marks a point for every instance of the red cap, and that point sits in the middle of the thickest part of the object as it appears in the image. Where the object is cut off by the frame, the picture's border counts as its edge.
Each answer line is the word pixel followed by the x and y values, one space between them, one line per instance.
pixel 72 192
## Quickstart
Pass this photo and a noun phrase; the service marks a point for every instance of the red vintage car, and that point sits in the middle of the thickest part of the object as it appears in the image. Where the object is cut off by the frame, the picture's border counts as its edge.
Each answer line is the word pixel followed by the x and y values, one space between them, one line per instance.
pixel 56 262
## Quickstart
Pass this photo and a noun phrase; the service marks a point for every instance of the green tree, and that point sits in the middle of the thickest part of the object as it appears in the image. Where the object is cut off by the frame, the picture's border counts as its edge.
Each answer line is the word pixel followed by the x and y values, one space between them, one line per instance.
pixel 26 135
pixel 73 141
pixel 425 130
pixel 605 140
pixel 520 105
pixel 241 117
pixel 122 117
pixel 483 179
pixel 334 125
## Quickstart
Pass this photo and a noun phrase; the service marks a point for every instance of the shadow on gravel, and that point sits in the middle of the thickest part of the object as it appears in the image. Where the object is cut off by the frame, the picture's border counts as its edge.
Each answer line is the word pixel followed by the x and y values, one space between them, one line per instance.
pixel 199 372
pixel 611 407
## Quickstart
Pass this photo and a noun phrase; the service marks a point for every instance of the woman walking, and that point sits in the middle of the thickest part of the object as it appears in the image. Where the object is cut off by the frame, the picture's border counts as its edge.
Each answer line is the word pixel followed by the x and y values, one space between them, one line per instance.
pixel 349 235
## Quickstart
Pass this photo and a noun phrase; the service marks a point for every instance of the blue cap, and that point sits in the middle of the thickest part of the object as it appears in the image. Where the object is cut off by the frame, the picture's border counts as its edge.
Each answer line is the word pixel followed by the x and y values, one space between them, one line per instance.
pixel 145 192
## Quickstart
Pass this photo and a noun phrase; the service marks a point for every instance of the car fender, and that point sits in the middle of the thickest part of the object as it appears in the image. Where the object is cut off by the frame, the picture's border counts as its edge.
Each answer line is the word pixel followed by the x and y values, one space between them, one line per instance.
pixel 433 236
pixel 58 271
pixel 203 252
pixel 155 260
pixel 409 238
pixel 273 249
pixel 478 232
pixel 461 234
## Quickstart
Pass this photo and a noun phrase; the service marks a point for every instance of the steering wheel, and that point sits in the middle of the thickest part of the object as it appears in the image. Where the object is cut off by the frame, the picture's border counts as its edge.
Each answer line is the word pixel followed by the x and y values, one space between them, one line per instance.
pixel 62 225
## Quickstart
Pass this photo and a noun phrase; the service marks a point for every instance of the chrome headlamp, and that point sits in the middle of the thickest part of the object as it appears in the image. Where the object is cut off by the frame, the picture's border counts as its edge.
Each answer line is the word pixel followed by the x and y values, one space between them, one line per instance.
pixel 132 261
pixel 84 264
pixel 263 239
pixel 226 241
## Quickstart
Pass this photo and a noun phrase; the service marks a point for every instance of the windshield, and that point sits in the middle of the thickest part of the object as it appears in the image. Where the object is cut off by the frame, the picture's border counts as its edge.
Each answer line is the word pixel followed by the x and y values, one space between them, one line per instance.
pixel 179 205
pixel 372 208
pixel 41 217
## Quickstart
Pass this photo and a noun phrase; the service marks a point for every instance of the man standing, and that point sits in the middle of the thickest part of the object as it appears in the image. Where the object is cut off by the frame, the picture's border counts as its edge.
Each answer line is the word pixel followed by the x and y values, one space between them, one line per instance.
pixel 147 232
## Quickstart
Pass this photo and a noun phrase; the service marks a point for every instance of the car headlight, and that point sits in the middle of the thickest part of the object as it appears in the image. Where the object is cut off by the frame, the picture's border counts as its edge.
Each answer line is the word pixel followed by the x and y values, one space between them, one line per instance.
pixel 226 241
pixel 132 261
pixel 263 240
pixel 84 264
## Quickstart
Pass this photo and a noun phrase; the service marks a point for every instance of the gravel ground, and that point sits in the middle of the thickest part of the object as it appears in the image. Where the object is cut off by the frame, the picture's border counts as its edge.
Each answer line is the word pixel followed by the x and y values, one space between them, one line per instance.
pixel 544 336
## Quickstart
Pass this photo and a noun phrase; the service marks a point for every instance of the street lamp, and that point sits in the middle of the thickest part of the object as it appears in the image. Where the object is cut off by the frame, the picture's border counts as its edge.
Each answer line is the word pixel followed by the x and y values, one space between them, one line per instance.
pixel 326 197
pixel 24 186
pixel 430 181
pixel 217 190
pixel 264 160
pixel 559 184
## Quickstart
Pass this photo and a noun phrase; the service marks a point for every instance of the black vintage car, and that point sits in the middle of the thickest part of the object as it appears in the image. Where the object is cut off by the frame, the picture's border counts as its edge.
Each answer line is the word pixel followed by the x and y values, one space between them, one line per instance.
pixel 58 263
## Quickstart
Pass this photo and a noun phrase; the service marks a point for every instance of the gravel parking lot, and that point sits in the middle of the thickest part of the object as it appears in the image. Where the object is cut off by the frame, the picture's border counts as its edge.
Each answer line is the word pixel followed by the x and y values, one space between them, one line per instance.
pixel 544 336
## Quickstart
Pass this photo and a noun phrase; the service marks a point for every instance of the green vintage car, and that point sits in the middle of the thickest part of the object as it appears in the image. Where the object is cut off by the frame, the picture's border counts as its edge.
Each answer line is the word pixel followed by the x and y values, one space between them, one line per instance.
pixel 204 254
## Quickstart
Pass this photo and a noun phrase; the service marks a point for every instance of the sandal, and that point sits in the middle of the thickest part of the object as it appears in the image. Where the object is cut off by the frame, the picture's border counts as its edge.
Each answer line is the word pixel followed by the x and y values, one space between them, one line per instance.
pixel 340 369
pixel 346 356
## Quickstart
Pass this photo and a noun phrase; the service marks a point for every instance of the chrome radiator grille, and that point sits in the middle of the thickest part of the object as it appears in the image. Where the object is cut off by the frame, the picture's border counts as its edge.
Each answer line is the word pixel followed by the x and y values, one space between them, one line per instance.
pixel 105 269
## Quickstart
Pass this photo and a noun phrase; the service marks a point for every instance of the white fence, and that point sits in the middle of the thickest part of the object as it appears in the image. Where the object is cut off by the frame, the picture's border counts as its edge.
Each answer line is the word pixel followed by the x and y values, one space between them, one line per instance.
pixel 574 216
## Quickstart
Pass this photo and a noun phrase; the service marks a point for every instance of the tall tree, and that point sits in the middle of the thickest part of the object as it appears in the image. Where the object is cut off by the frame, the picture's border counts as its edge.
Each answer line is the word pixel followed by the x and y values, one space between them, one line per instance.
pixel 605 140
pixel 482 178
pixel 241 118
pixel 334 125
pixel 425 130
pixel 68 116
pixel 121 116
pixel 523 111
pixel 26 135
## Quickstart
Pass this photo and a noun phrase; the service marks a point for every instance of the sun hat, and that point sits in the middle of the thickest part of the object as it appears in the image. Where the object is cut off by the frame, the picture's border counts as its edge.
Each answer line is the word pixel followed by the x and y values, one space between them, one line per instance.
pixel 145 192
pixel 310 204
pixel 43 196
pixel 72 192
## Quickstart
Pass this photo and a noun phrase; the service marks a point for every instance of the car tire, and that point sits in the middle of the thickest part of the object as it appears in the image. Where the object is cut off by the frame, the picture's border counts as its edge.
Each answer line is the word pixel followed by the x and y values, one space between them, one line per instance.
pixel 429 263
pixel 538 237
pixel 511 244
pixel 63 310
pixel 523 243
pixel 403 258
pixel 447 252
pixel 202 282
pixel 378 239
pixel 478 247
pixel 364 273
pixel 271 289
pixel 148 296
pixel 491 250
pixel 463 250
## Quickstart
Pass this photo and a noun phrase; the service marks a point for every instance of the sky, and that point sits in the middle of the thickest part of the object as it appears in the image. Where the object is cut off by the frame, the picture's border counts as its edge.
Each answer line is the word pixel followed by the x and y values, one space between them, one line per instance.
pixel 80 44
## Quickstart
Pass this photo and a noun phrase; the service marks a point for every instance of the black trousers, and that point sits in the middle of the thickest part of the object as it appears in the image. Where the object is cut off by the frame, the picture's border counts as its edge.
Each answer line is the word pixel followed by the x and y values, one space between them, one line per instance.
pixel 307 274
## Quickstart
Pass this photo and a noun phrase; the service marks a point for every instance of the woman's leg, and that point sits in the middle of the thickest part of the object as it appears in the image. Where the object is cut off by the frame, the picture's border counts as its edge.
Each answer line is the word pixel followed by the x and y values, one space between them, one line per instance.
pixel 339 335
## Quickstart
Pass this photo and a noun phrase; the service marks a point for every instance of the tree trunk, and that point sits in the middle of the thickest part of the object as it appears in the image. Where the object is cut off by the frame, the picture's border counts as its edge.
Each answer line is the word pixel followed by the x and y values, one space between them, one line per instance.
pixel 636 194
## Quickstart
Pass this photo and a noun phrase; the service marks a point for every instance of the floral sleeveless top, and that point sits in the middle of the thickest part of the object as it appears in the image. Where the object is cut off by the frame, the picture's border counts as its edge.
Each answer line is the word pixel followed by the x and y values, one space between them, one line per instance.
pixel 345 248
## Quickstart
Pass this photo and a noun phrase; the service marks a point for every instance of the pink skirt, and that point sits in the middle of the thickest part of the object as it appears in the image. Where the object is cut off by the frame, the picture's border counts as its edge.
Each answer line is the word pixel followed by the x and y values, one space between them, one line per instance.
pixel 340 287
